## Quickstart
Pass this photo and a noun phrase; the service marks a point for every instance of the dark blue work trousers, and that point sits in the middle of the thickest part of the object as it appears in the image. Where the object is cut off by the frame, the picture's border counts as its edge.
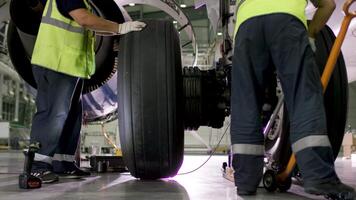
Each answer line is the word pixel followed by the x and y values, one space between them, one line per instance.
pixel 263 45
pixel 57 122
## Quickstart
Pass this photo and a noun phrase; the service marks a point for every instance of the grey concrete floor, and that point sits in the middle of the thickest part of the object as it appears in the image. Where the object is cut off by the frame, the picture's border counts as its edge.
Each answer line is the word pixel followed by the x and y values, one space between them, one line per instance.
pixel 205 184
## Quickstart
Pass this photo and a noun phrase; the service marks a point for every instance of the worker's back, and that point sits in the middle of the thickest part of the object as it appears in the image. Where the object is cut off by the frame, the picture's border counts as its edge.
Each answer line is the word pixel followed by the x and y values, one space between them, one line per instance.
pixel 250 8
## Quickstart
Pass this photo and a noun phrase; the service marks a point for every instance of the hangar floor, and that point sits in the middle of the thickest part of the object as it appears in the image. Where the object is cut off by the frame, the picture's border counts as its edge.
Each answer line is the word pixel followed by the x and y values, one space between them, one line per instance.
pixel 204 184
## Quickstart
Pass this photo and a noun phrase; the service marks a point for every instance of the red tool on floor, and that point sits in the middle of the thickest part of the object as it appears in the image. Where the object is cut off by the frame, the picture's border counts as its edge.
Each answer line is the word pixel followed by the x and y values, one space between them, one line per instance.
pixel 26 180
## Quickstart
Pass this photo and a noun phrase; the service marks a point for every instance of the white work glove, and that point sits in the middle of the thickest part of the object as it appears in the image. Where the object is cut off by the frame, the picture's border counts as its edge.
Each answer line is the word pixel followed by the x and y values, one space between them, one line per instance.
pixel 312 43
pixel 130 26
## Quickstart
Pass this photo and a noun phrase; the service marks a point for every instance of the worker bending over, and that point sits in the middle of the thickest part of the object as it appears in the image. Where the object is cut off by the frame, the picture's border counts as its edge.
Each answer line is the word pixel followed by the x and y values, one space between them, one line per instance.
pixel 275 33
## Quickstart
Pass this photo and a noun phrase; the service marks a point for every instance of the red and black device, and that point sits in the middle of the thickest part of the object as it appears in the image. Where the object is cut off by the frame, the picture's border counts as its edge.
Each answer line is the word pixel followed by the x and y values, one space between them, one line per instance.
pixel 26 180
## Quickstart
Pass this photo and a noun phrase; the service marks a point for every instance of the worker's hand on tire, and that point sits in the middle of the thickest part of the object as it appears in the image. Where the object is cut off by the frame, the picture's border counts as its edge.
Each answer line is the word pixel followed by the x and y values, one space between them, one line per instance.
pixel 130 26
pixel 312 43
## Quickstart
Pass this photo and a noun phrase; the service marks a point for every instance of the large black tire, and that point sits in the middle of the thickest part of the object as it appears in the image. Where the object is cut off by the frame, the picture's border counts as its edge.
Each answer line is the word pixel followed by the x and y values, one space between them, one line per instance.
pixel 336 95
pixel 18 55
pixel 25 20
pixel 335 101
pixel 150 101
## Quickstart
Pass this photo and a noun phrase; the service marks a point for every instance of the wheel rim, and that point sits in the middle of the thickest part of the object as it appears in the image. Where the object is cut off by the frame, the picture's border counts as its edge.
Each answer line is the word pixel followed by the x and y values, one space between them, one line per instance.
pixel 268 181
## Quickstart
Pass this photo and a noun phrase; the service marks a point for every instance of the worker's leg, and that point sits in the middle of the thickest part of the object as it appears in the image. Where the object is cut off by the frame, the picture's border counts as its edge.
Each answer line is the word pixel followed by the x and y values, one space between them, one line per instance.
pixel 64 158
pixel 53 100
pixel 301 85
pixel 249 71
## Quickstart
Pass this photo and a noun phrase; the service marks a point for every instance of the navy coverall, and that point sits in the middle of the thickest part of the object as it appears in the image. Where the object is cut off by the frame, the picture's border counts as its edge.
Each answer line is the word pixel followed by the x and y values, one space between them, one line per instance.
pixel 278 40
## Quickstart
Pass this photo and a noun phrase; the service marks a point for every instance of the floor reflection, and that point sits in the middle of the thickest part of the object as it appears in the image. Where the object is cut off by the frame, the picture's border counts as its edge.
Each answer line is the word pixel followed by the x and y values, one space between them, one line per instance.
pixel 206 183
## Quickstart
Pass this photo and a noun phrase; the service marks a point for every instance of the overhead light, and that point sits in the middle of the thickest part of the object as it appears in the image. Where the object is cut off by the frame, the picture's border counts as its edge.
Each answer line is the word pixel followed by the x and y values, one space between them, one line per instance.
pixel 131 4
pixel 183 5
pixel 219 33
pixel 175 22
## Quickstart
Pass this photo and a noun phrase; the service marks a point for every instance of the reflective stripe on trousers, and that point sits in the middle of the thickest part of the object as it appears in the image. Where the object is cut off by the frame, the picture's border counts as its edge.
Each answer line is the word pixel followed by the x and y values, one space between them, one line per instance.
pixel 311 141
pixel 56 157
pixel 248 149
pixel 43 158
pixel 63 157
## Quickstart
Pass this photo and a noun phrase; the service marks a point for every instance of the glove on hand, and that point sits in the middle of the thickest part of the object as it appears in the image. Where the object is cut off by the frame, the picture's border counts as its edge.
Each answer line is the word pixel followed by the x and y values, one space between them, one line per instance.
pixel 312 44
pixel 130 26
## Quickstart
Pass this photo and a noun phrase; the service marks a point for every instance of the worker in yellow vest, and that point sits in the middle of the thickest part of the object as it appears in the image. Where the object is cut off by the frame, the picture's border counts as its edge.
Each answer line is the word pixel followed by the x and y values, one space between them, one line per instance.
pixel 63 56
pixel 275 33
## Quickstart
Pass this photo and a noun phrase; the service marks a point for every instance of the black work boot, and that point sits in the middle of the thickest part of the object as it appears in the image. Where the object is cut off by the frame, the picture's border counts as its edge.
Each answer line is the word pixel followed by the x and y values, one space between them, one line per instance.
pixel 74 174
pixel 46 176
pixel 248 173
pixel 245 192
pixel 69 170
pixel 44 171
pixel 335 190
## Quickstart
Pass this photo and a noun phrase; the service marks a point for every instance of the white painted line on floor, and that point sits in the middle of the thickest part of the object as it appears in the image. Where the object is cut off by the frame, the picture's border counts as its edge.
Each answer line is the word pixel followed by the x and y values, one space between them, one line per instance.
pixel 121 179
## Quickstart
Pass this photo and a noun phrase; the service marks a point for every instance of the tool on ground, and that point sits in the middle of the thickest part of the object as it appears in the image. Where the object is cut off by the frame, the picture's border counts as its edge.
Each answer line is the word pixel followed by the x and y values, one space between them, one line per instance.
pixel 26 180
pixel 328 70
pixel 228 172
pixel 108 163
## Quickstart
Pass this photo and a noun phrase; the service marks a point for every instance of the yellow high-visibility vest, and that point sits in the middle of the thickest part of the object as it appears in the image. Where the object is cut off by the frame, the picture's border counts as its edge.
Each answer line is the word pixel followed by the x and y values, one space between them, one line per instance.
pixel 63 45
pixel 246 9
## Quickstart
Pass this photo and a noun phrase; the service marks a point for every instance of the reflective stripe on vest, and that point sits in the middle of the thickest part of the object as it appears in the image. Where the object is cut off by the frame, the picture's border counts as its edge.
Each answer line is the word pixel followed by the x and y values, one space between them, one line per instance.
pixel 62 45
pixel 55 22
pixel 246 9
pixel 248 149
pixel 311 141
